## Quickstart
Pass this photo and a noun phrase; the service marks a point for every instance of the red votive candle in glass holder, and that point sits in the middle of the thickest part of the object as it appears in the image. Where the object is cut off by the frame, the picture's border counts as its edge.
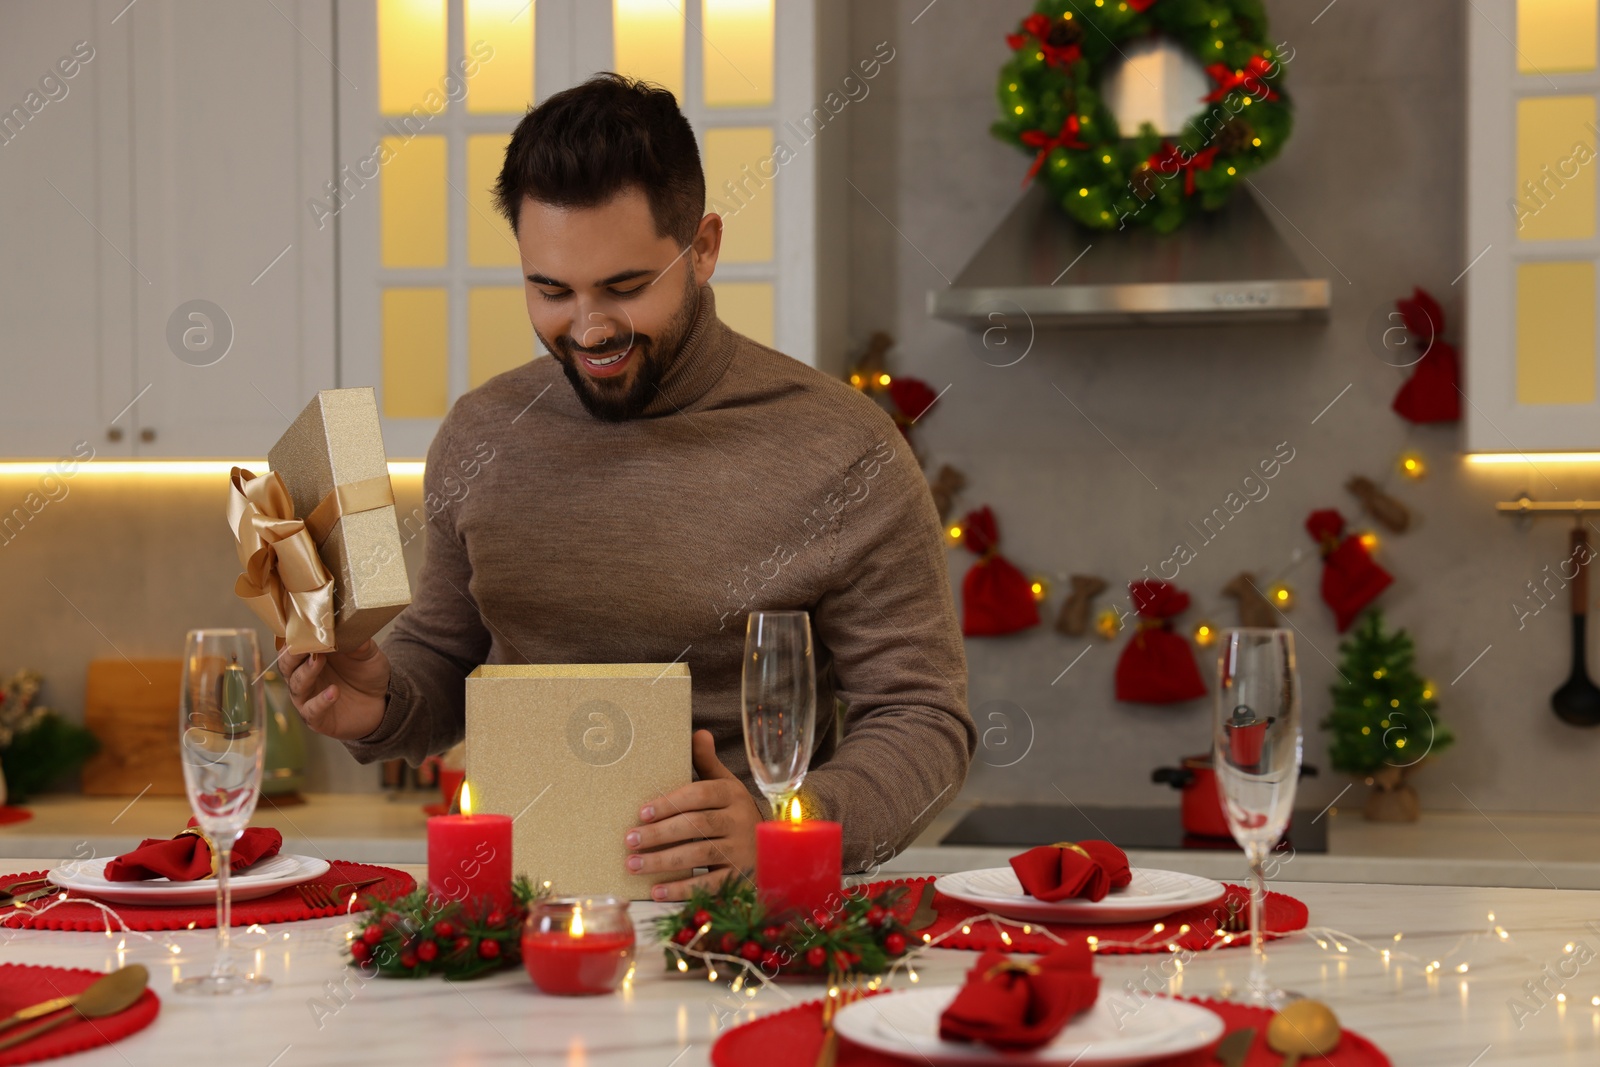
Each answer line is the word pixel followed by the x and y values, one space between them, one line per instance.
pixel 469 858
pixel 798 863
pixel 578 946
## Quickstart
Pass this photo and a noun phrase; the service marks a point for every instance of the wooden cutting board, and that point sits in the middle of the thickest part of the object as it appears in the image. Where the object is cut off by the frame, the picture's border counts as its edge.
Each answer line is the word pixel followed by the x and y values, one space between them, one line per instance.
pixel 132 707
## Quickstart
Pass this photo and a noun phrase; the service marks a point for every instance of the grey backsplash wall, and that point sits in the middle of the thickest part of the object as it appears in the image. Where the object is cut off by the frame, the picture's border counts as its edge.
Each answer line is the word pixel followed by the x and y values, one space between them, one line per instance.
pixel 1372 179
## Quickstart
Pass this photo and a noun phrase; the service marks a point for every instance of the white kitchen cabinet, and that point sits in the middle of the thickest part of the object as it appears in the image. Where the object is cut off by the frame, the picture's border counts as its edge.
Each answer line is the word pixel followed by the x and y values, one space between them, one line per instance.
pixel 179 169
pixel 66 286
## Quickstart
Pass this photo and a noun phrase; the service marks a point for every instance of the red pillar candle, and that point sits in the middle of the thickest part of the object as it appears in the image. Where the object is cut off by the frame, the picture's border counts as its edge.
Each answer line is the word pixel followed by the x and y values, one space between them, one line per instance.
pixel 797 865
pixel 469 858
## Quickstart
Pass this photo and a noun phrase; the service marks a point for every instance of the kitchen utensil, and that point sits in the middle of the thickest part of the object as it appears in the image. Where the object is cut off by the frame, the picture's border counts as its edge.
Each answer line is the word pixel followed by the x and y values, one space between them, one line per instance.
pixel 39 1010
pixel 1256 744
pixel 1577 702
pixel 1304 1028
pixel 1199 803
pixel 115 992
pixel 1235 1048
pixel 925 914
pixel 336 896
pixel 828 1054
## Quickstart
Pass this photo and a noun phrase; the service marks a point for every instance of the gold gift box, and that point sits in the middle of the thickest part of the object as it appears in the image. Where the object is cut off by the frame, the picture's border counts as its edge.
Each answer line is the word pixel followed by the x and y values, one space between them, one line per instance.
pixel 331 459
pixel 572 752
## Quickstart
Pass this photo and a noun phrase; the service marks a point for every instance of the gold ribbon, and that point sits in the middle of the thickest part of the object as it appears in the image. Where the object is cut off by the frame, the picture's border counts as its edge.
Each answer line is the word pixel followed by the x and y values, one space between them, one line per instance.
pixel 1011 966
pixel 284 580
pixel 1074 847
pixel 369 494
pixel 210 844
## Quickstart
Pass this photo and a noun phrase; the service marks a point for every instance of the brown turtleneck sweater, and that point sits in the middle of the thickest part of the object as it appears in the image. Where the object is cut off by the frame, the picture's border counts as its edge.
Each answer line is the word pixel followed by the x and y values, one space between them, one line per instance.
pixel 752 481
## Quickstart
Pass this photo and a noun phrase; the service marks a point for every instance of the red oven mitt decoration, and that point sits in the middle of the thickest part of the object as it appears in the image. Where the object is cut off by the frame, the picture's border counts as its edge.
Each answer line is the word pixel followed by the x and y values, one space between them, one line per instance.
pixel 996 598
pixel 1014 1005
pixel 1087 870
pixel 187 857
pixel 1350 578
pixel 1432 393
pixel 1157 666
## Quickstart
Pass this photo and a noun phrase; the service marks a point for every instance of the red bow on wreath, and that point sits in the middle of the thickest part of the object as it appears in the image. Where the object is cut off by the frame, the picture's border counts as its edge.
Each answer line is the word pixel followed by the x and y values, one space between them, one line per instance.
pixel 995 597
pixel 1157 666
pixel 1037 28
pixel 1171 161
pixel 911 397
pixel 1067 137
pixel 1432 393
pixel 1252 79
pixel 1350 578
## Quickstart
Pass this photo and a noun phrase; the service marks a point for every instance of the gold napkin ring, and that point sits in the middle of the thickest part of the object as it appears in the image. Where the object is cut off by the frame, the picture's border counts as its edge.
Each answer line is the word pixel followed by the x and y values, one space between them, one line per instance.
pixel 210 844
pixel 1016 966
pixel 1074 847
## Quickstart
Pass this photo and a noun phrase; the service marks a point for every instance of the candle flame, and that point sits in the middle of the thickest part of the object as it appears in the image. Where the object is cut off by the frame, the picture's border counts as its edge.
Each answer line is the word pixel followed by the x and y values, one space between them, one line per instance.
pixel 576 928
pixel 794 809
pixel 466 798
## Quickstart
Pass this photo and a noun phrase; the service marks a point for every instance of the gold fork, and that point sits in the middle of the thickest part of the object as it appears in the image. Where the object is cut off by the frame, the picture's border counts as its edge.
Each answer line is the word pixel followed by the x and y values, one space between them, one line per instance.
pixel 322 896
pixel 829 1053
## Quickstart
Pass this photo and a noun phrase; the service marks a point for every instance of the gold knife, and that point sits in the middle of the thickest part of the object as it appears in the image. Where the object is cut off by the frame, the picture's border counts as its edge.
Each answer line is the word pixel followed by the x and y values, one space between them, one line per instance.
pixel 1235 1048
pixel 925 914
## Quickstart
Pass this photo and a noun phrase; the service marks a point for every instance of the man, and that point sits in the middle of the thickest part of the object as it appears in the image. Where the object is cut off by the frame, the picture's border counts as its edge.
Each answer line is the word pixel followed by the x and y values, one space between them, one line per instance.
pixel 680 477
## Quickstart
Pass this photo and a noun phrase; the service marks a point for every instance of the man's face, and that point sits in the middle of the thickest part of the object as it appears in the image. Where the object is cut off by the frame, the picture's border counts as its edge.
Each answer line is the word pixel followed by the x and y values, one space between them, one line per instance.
pixel 610 299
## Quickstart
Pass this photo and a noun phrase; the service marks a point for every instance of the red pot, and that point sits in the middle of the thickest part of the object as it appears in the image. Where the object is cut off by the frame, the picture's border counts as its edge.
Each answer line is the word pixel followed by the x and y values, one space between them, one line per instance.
pixel 1201 804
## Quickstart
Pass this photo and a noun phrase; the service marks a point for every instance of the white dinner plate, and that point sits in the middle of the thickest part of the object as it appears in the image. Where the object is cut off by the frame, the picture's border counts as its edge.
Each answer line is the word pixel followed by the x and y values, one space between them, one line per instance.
pixel 88 877
pixel 1152 894
pixel 1117 1030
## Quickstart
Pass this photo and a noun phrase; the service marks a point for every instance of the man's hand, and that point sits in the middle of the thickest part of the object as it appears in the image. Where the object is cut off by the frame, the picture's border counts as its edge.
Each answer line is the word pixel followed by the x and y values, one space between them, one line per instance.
pixel 341 694
pixel 711 823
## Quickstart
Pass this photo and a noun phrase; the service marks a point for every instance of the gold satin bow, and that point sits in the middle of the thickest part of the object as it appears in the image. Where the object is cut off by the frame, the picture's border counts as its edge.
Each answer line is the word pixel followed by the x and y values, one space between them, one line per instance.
pixel 284 580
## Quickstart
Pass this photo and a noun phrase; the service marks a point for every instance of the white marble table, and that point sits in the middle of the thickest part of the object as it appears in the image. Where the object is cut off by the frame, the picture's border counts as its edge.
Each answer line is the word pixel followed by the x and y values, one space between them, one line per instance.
pixel 321 1012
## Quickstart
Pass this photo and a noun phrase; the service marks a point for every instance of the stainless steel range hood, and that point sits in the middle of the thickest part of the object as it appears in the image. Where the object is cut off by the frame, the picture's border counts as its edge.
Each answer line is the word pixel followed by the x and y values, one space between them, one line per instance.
pixel 1040 266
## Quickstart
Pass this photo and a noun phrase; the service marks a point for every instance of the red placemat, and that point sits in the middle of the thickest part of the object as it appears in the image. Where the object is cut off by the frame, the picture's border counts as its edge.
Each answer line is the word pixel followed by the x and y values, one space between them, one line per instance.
pixel 10 813
pixel 793 1037
pixel 1283 915
pixel 284 906
pixel 23 984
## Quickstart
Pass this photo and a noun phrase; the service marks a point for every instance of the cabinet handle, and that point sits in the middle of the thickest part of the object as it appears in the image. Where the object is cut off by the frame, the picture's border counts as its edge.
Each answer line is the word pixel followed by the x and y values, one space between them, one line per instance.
pixel 114 434
pixel 147 435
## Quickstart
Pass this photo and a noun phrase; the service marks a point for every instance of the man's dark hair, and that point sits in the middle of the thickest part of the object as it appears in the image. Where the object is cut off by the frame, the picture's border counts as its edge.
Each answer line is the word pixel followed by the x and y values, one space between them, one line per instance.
pixel 586 144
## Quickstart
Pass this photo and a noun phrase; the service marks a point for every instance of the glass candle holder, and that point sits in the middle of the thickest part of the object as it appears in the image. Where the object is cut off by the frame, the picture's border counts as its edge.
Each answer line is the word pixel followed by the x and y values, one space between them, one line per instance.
pixel 576 946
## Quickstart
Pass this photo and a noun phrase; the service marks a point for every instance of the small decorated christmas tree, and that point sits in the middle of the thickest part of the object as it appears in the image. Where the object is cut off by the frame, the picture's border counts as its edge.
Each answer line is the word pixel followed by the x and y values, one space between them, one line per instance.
pixel 1384 713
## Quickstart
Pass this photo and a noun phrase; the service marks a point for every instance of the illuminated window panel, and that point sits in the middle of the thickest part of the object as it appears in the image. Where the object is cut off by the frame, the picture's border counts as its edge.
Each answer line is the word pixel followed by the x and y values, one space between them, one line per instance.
pixel 411 54
pixel 489 239
pixel 1555 36
pixel 747 308
pixel 416 353
pixel 740 186
pixel 737 58
pixel 647 41
pixel 413 220
pixel 1555 333
pixel 499 336
pixel 500 38
pixel 1555 194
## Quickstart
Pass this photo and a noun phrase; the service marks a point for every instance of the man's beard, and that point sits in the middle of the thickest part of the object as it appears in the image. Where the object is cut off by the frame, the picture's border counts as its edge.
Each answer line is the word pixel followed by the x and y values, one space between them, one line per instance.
pixel 609 400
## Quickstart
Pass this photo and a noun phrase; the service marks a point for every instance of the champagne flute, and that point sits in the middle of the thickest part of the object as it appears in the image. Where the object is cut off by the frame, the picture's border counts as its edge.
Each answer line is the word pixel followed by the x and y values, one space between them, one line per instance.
pixel 222 739
pixel 779 695
pixel 1257 755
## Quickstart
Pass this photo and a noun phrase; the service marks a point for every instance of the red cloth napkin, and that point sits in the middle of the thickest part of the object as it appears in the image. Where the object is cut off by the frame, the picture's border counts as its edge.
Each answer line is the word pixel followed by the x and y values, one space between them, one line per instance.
pixel 1350 578
pixel 187 857
pixel 1014 1006
pixel 1057 872
pixel 1156 665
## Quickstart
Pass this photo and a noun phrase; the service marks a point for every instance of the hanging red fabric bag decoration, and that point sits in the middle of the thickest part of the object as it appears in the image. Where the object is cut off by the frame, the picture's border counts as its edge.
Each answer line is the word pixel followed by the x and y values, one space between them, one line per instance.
pixel 1350 578
pixel 1432 393
pixel 1157 666
pixel 911 397
pixel 996 598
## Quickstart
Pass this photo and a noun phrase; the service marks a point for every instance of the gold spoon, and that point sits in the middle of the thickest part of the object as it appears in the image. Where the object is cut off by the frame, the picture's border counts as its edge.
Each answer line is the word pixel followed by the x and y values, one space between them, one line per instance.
pixel 1304 1028
pixel 115 992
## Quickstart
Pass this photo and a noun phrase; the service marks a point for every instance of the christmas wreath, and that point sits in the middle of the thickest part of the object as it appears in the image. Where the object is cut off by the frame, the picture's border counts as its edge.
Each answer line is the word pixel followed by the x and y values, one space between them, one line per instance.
pixel 1051 107
pixel 860 935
